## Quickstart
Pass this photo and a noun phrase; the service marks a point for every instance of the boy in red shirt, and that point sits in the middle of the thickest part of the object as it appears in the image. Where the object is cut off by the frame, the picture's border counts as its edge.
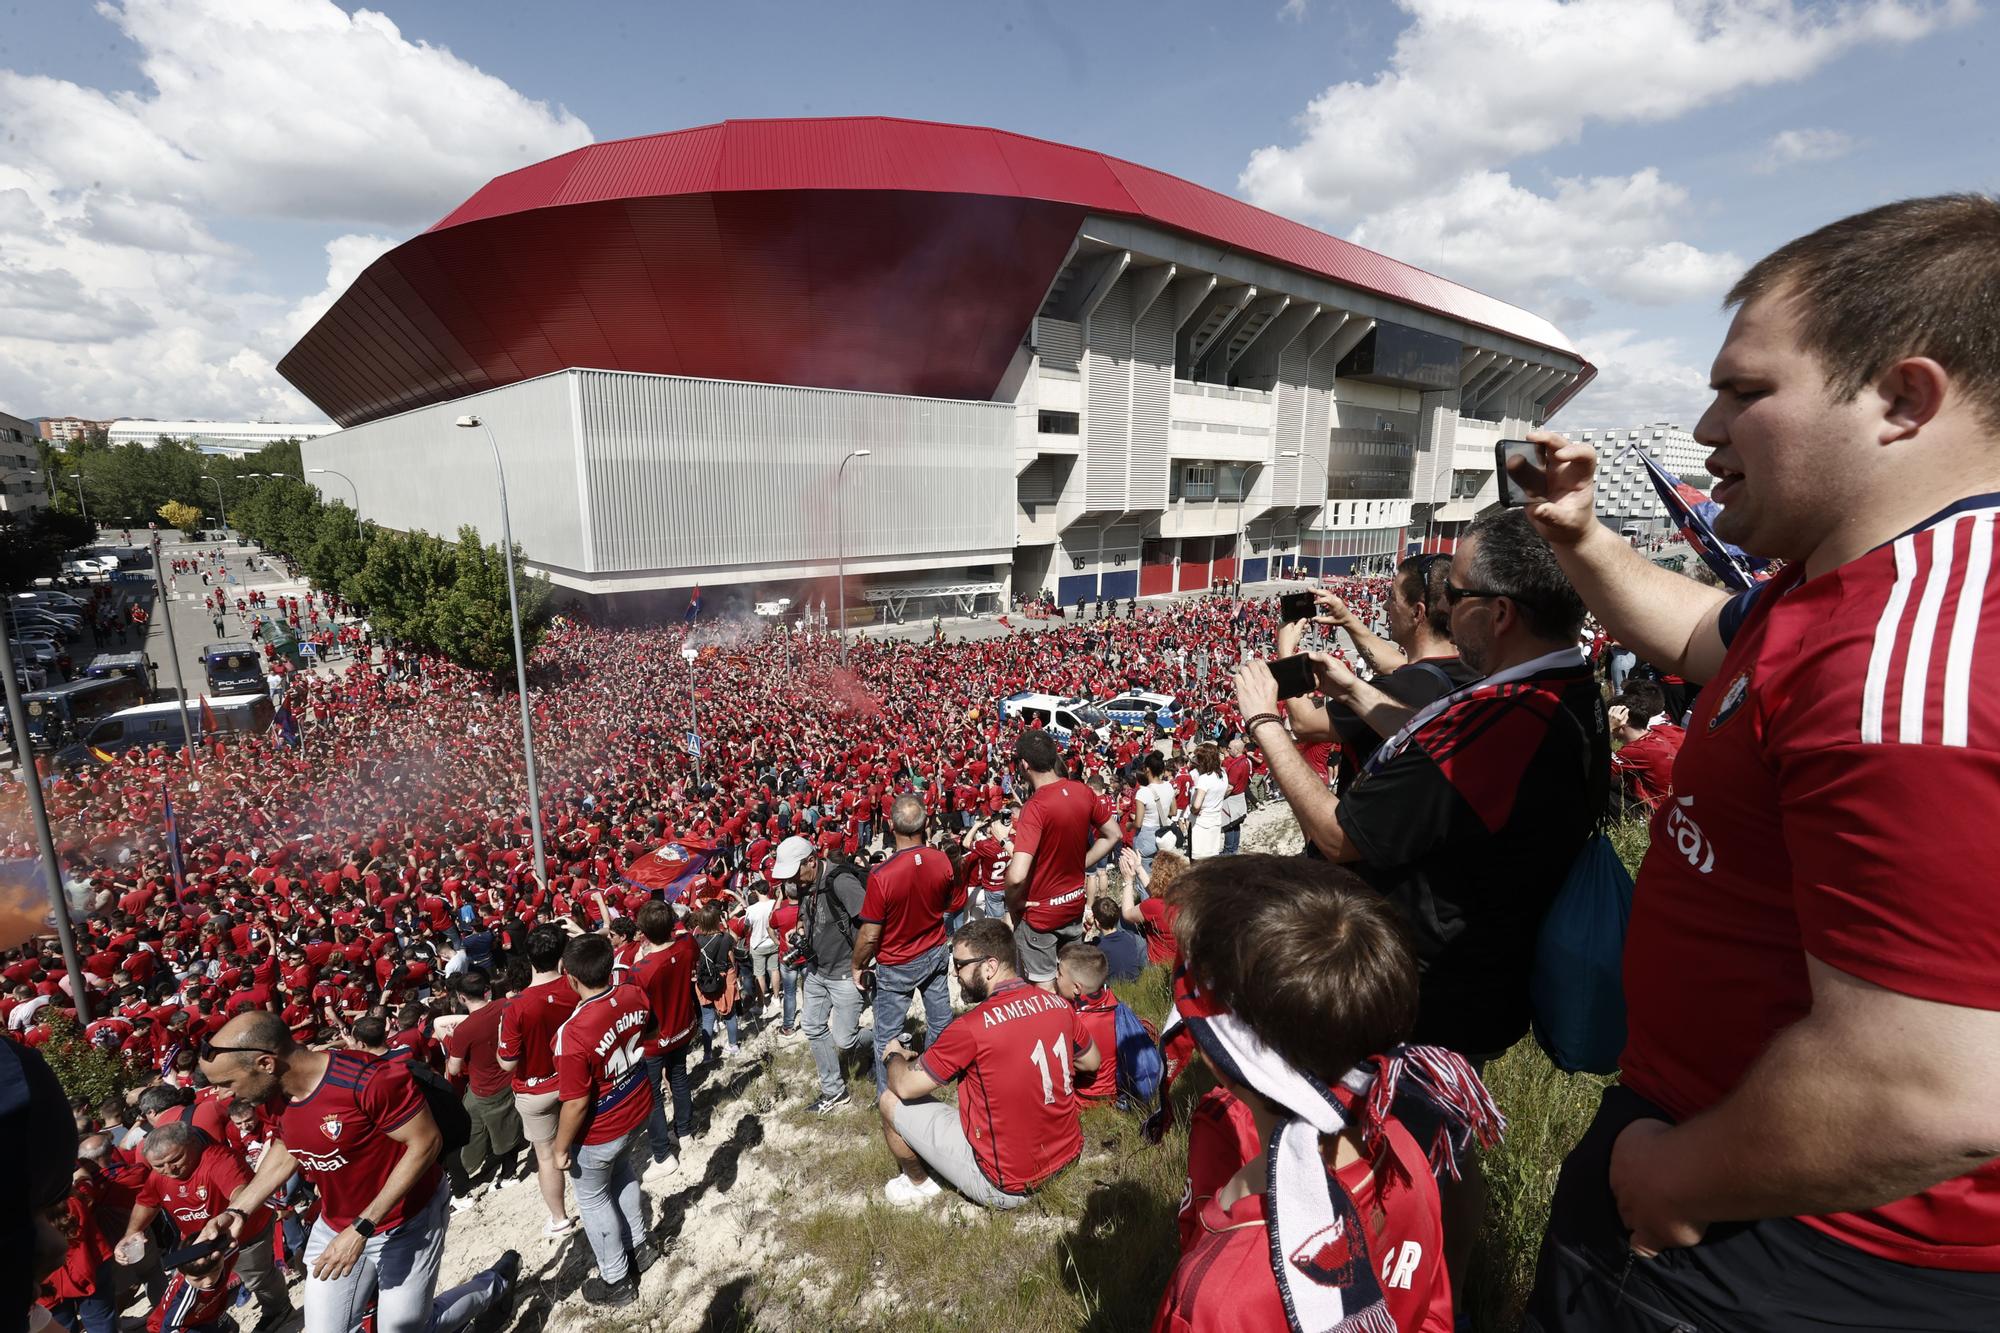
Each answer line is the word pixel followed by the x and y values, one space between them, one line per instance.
pixel 1313 1069
pixel 1647 749
pixel 1081 971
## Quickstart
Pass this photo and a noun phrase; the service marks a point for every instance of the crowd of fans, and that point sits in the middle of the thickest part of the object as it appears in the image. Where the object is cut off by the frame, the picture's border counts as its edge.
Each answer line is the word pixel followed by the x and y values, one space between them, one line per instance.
pixel 353 1004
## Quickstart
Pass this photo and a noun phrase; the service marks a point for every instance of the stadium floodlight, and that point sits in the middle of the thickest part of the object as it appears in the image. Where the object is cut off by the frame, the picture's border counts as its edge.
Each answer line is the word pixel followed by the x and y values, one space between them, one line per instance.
pixel 471 422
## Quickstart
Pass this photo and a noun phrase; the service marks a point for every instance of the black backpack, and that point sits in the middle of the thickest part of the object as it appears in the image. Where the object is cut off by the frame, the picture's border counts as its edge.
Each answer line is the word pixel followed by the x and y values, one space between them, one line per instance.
pixel 711 974
pixel 453 1121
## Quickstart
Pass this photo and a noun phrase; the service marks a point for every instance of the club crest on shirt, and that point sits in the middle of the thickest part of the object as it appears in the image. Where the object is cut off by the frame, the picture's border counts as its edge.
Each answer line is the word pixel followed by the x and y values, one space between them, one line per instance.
pixel 1732 699
pixel 330 1126
pixel 1327 1256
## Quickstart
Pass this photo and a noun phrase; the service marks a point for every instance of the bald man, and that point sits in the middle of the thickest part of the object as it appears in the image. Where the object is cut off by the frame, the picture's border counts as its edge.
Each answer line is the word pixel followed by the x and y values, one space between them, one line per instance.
pixel 902 931
pixel 357 1126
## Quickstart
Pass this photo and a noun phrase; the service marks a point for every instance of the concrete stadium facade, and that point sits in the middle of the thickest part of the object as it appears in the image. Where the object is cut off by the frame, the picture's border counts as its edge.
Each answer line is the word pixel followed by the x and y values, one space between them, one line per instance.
pixel 1071 373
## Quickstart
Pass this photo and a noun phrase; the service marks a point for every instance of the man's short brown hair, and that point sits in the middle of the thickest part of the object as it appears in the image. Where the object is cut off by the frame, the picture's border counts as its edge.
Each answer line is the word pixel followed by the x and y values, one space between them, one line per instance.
pixel 656 922
pixel 1915 278
pixel 1312 959
pixel 1086 964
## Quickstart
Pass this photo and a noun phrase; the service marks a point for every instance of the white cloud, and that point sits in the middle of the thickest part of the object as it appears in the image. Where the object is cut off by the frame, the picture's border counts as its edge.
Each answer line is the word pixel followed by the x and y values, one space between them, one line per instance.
pixel 116 293
pixel 1790 147
pixel 1639 380
pixel 1613 234
pixel 1479 83
pixel 1293 11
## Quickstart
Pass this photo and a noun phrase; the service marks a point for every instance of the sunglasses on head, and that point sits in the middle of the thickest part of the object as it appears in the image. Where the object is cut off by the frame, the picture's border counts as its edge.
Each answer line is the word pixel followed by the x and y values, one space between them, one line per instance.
pixel 209 1050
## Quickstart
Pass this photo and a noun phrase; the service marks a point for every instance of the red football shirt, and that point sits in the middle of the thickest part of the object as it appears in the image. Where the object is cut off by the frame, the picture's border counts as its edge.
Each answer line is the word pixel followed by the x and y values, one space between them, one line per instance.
pixel 1015 1052
pixel 528 1033
pixel 909 895
pixel 339 1133
pixel 218 1173
pixel 476 1040
pixel 1058 823
pixel 1100 1022
pixel 666 976
pixel 1646 766
pixel 599 1056
pixel 1225 1283
pixel 1834 797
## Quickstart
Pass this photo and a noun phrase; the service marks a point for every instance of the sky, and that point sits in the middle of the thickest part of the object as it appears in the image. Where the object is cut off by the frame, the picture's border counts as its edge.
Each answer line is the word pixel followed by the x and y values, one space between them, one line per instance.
pixel 186 185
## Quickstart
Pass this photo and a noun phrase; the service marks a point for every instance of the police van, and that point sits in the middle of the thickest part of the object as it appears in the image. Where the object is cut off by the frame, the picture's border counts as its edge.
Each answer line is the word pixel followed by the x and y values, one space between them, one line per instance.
pixel 1136 708
pixel 1061 717
pixel 158 724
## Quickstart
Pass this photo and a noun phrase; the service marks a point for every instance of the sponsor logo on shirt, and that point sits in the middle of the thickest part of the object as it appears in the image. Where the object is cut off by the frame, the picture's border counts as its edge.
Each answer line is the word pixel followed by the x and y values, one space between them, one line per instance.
pixel 322 1164
pixel 1687 836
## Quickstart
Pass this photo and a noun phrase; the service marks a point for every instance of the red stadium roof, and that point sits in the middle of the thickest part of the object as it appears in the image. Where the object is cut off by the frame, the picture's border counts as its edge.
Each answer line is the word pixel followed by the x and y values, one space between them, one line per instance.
pixel 866 253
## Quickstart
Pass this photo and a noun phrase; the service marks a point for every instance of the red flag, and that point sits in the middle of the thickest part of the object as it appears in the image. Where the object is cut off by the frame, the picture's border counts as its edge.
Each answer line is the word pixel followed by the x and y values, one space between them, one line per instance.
pixel 207 717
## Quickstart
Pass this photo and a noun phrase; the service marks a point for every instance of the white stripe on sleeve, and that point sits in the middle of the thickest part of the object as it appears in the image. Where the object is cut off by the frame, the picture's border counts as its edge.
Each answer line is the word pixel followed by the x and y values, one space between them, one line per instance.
pixel 1965 629
pixel 1923 633
pixel 1875 686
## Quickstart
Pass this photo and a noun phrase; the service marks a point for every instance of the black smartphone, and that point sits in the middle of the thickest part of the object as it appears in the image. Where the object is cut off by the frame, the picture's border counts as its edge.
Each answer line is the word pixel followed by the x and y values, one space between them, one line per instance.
pixel 189 1254
pixel 1294 675
pixel 1526 472
pixel 1295 606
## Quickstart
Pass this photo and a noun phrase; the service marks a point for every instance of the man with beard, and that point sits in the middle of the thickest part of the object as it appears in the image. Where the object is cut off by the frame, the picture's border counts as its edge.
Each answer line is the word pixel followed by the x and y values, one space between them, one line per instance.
pixel 360 1131
pixel 1470 813
pixel 1018 1051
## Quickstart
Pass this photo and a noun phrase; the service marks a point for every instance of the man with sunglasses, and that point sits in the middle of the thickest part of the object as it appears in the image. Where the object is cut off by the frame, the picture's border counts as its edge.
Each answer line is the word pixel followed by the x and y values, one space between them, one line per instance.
pixel 1016 1054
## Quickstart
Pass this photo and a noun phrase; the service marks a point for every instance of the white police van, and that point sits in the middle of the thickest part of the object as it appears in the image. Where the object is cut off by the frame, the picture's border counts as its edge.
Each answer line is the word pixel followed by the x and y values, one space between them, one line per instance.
pixel 1061 717
pixel 1138 707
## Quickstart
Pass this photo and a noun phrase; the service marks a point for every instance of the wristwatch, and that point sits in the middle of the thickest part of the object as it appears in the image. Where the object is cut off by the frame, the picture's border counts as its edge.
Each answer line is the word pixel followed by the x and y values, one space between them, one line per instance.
pixel 363 1227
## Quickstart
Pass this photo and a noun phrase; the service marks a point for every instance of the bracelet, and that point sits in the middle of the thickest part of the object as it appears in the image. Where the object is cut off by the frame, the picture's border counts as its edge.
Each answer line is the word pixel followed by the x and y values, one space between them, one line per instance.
pixel 1256 720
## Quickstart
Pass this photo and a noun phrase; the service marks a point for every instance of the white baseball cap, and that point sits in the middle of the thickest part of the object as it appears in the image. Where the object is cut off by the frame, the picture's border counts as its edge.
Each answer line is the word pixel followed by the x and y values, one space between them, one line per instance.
pixel 792 853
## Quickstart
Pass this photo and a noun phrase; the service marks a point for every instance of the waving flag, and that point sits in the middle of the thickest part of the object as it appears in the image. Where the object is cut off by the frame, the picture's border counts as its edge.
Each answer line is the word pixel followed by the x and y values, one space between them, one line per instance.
pixel 1694 514
pixel 174 848
pixel 208 726
pixel 669 868
pixel 287 725
pixel 694 604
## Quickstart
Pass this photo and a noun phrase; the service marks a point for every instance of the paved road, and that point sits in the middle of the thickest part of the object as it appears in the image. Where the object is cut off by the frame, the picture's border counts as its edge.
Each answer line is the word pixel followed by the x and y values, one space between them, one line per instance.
pixel 194 627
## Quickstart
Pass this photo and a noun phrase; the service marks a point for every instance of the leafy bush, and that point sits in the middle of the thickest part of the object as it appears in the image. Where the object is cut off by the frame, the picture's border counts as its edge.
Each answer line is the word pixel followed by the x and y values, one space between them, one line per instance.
pixel 82 1069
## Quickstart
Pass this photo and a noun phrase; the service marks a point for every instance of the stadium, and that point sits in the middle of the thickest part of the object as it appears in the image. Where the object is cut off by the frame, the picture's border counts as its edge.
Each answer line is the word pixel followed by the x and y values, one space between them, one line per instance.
pixel 1068 373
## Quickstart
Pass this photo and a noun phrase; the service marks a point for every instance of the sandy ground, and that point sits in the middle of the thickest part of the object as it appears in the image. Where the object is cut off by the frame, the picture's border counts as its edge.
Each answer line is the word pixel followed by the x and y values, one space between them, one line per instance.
pixel 718 1215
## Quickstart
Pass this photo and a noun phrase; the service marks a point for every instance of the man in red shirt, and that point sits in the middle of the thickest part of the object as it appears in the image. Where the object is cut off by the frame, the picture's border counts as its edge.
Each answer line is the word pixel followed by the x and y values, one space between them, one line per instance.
pixel 1644 759
pixel 1052 846
pixel 191 1178
pixel 489 1095
pixel 525 1048
pixel 665 974
pixel 1810 1099
pixel 1018 1051
pixel 1236 808
pixel 360 1131
pixel 601 1075
pixel 902 932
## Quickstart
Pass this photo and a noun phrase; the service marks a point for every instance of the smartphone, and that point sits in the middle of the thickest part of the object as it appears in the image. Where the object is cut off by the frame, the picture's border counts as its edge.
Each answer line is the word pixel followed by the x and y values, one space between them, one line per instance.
pixel 1294 675
pixel 1295 606
pixel 1528 470
pixel 189 1254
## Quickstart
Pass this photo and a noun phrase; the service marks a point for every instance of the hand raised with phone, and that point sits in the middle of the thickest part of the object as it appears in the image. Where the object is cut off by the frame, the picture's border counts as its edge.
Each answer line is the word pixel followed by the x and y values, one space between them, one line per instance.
pixel 1561 498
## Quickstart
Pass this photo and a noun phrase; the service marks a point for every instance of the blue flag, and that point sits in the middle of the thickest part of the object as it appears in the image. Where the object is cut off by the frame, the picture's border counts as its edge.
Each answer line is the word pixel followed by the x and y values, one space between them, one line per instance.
pixel 288 727
pixel 1694 514
pixel 174 849
pixel 694 604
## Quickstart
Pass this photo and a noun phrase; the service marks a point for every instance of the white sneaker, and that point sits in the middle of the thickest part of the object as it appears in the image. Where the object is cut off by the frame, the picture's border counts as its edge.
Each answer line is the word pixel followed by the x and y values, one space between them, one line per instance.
pixel 731 1049
pixel 904 1193
pixel 557 1230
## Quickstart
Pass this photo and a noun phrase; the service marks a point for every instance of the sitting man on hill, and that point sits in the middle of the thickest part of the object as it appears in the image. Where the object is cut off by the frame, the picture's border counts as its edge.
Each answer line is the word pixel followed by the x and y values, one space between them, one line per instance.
pixel 1018 1050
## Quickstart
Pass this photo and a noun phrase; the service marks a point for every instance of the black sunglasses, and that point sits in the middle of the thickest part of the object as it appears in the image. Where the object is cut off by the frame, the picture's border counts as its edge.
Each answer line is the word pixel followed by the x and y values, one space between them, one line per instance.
pixel 958 963
pixel 209 1050
pixel 1453 594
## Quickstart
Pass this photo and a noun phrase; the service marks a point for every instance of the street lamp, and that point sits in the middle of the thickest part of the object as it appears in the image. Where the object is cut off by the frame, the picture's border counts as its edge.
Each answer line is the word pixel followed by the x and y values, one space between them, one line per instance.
pixel 79 493
pixel 840 546
pixel 219 504
pixel 1240 490
pixel 327 471
pixel 688 655
pixel 470 422
pixel 24 767
pixel 1445 473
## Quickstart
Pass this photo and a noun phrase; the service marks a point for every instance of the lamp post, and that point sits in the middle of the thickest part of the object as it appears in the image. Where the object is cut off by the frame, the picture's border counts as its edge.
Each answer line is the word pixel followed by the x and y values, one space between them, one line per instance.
pixel 1241 492
pixel 688 655
pixel 840 546
pixel 327 471
pixel 79 493
pixel 166 607
pixel 31 783
pixel 219 504
pixel 470 422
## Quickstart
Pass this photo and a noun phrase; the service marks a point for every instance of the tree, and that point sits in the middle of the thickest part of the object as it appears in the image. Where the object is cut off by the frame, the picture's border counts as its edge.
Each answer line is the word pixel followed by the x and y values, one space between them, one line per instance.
pixel 183 516
pixel 337 552
pixel 472 625
pixel 402 582
pixel 32 547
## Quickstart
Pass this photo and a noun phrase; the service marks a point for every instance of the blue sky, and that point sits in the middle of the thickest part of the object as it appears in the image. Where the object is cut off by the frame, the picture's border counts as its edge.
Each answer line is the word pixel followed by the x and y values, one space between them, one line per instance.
pixel 184 184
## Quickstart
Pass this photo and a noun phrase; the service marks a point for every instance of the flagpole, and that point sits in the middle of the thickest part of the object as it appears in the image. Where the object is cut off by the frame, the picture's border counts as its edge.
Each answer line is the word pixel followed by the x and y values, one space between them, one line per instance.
pixel 24 764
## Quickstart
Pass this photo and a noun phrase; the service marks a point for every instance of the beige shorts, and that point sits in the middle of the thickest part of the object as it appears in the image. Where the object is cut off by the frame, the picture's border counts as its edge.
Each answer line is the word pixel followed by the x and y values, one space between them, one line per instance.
pixel 539 1111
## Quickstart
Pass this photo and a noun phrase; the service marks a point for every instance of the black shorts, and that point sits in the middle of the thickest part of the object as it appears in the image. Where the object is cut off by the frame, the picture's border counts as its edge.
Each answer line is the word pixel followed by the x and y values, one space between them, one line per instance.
pixel 1775 1276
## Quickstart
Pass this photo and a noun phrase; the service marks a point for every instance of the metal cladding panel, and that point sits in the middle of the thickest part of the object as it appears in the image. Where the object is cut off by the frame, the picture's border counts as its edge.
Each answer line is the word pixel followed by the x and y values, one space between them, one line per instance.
pixel 1070 588
pixel 1317 446
pixel 1059 343
pixel 1120 583
pixel 1107 427
pixel 510 282
pixel 1152 406
pixel 690 474
pixel 420 471
pixel 1296 476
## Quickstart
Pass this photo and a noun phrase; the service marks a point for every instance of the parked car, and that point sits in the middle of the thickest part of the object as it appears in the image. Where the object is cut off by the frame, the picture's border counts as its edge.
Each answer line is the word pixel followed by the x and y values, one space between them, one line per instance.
pixel 1060 717
pixel 1138 707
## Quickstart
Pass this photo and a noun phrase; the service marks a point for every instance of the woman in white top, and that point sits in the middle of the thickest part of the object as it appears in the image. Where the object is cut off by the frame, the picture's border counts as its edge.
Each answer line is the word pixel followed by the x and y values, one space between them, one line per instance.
pixel 1211 794
pixel 1156 808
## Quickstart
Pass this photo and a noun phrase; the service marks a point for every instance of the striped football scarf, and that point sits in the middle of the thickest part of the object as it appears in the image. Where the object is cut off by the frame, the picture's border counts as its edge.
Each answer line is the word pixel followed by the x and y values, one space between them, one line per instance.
pixel 1319 1246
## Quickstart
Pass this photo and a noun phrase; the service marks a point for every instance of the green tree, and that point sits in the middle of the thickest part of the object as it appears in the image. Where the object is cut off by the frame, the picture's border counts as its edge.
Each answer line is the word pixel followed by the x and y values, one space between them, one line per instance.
pixel 338 550
pixel 472 625
pixel 82 1069
pixel 32 546
pixel 402 583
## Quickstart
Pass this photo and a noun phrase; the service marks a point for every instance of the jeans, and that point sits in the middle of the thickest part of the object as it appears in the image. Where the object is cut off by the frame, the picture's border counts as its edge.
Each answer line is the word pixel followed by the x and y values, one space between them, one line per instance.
pixel 928 975
pixel 708 1029
pixel 398 1271
pixel 788 982
pixel 1146 842
pixel 86 1314
pixel 607 1198
pixel 674 1066
pixel 832 1021
pixel 1232 838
